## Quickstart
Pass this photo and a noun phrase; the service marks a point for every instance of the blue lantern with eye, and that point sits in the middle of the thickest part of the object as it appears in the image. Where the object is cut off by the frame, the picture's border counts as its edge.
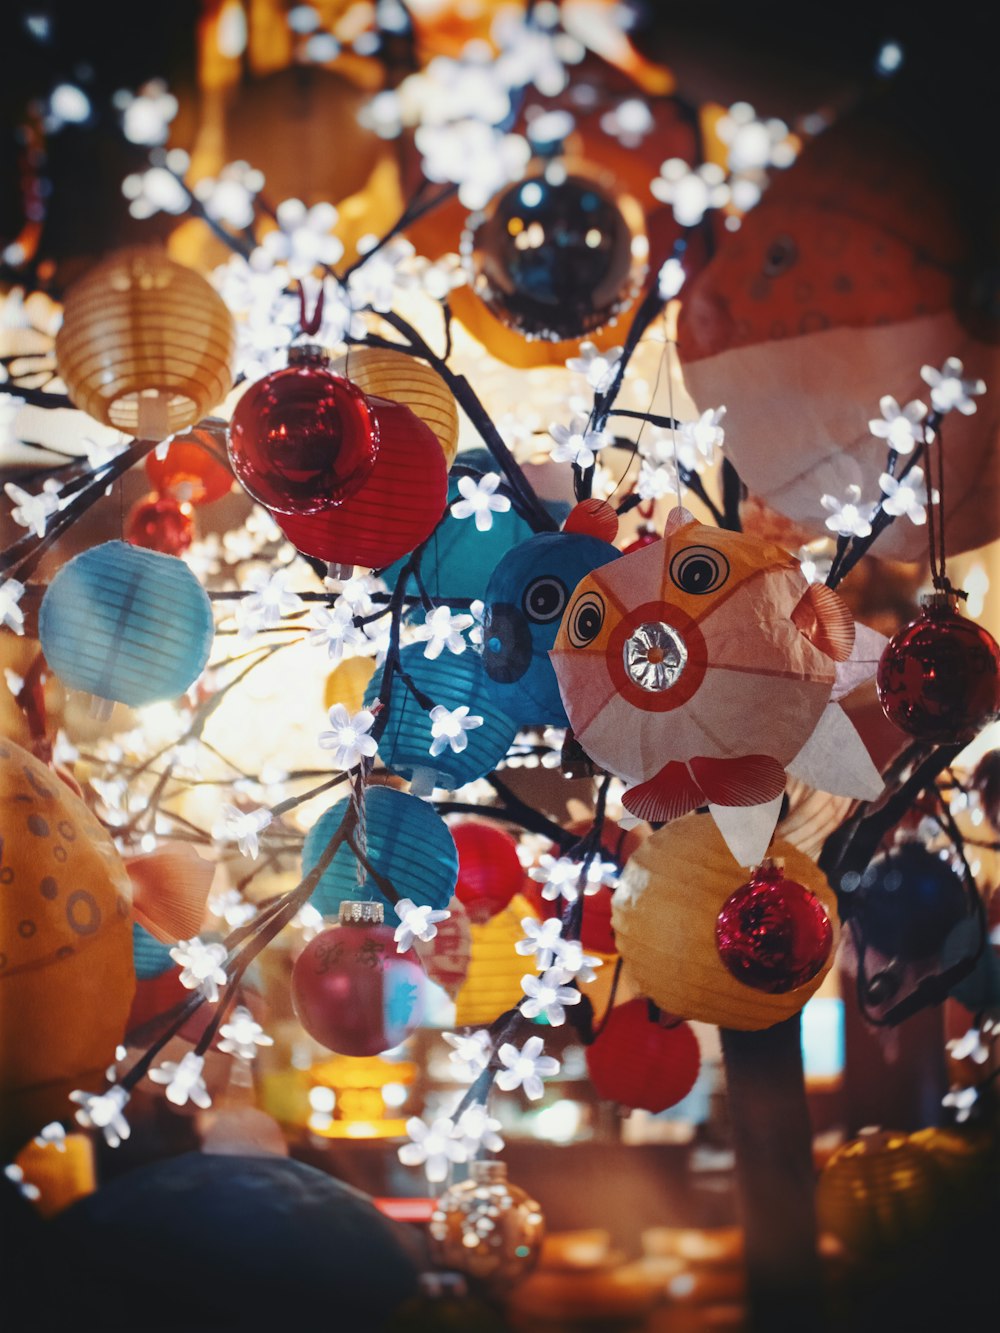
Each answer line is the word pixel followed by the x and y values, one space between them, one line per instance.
pixel 525 601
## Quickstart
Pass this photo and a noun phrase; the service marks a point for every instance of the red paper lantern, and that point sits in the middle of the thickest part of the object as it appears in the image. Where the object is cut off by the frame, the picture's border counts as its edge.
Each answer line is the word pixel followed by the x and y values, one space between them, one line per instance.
pixel 939 678
pixel 160 523
pixel 302 439
pixel 489 872
pixel 351 990
pixel 191 470
pixel 396 509
pixel 773 934
pixel 643 1062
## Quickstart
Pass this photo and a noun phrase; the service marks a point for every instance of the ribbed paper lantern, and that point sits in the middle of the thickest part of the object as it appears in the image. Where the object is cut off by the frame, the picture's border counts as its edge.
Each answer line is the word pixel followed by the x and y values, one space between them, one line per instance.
pixel 877 1193
pixel 643 1062
pixel 151 958
pixel 407 841
pixel 404 379
pixel 489 871
pixel 126 624
pixel 346 684
pixel 192 469
pixel 450 681
pixel 395 510
pixel 66 978
pixel 664 914
pixel 146 345
pixel 494 981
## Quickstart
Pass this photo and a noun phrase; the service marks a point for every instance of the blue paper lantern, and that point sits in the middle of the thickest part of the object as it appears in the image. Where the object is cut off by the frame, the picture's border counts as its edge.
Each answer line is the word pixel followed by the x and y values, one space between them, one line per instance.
pixel 406 840
pixel 151 958
pixel 525 599
pixel 125 623
pixel 449 680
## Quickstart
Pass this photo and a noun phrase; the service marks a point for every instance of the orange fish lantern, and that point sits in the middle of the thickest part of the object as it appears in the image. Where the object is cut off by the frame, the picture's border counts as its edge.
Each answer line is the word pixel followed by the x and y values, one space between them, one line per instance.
pixel 703 667
pixel 849 276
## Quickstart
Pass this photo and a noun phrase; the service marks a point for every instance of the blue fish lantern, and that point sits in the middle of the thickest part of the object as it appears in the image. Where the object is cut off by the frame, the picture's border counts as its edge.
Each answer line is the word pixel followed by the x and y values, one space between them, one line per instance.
pixel 525 601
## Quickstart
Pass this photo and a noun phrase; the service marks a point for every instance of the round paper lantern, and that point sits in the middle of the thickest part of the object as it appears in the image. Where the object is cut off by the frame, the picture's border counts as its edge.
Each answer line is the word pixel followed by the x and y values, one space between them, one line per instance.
pixel 160 523
pixel 126 624
pixel 450 681
pixel 150 958
pixel 66 976
pixel 302 438
pixel 551 256
pixel 404 379
pixel 145 345
pixel 877 1193
pixel 489 871
pixel 665 911
pixel 406 840
pixel 487 1227
pixel 639 1061
pixel 346 683
pixel 527 594
pixel 772 933
pixel 446 957
pixel 352 991
pixel 494 982
pixel 398 506
pixel 908 900
pixel 939 678
pixel 191 469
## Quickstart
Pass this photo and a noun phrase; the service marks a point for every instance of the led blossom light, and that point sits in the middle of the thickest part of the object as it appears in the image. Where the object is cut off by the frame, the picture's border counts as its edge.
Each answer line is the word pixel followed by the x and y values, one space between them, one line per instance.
pixel 575 443
pixel 11 614
pixel 479 499
pixel 348 737
pixel 901 427
pixel 906 495
pixel 32 511
pixel 416 923
pixel 950 391
pixel 242 827
pixel 449 727
pixel 848 517
pixel 470 1052
pixel 201 962
pixel 104 1111
pixel 242 1035
pixel 335 630
pixel 183 1081
pixel 525 1068
pixel 478 1130
pixel 434 1147
pixel 442 629
pixel 548 995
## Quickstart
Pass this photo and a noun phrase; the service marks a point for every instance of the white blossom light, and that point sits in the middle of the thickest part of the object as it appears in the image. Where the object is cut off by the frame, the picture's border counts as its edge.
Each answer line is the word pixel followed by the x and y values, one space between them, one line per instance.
pixel 335 629
pixel 242 827
pixel 907 495
pixel 547 995
pixel 449 728
pixel 441 629
pixel 242 1035
pixel 470 1052
pixel 433 1146
pixel 104 1111
pixel 31 511
pixel 705 435
pixel 479 499
pixel 348 737
pixel 949 390
pixel 303 241
pixel 901 426
pixel 52 1136
pixel 575 443
pixel 183 1081
pixel 11 614
pixel 599 367
pixel 691 193
pixel 478 1130
pixel 416 923
pixel 525 1068
pixel 541 938
pixel 201 962
pixel 848 517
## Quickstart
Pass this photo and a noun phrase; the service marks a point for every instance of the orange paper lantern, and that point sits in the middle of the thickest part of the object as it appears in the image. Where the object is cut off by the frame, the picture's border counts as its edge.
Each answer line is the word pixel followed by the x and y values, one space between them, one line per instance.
pixel 494 981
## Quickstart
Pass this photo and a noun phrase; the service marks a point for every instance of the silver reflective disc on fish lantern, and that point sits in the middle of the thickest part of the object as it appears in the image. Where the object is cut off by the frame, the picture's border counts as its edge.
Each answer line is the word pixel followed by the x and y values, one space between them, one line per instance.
pixel 655 656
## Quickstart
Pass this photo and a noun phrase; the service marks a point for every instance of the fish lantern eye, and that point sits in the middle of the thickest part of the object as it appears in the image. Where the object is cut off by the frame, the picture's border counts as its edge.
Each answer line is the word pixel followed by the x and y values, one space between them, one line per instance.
pixel 781 255
pixel 699 569
pixel 544 599
pixel 585 619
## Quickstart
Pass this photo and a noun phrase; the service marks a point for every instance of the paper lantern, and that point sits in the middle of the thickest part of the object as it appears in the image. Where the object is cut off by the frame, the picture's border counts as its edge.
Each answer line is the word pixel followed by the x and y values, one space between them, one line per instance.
pixel 494 981
pixel 192 469
pixel 302 438
pixel 489 871
pixel 486 1227
pixel 447 956
pixel 700 669
pixel 525 599
pixel 878 1193
pixel 394 511
pixel 664 913
pixel 908 901
pixel 150 958
pixel 160 523
pixel 145 345
pixel 66 979
pixel 352 991
pixel 126 624
pixel 641 1061
pixel 406 840
pixel 404 379
pixel 346 683
pixel 450 681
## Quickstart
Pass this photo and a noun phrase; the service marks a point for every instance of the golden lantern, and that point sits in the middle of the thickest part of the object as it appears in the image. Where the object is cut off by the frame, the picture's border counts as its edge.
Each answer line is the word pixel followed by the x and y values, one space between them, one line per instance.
pixel 346 684
pixel 494 981
pixel 146 345
pixel 879 1192
pixel 665 912
pixel 403 379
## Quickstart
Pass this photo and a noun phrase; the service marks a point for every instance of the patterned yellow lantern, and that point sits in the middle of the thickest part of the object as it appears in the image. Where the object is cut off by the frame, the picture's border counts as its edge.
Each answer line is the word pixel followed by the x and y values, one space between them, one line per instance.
pixel 665 914
pixel 403 379
pixel 146 345
pixel 879 1192
pixel 494 981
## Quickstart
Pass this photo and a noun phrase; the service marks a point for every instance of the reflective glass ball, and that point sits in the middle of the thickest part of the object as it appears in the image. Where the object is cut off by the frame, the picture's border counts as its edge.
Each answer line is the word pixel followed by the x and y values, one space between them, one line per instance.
pixel 772 933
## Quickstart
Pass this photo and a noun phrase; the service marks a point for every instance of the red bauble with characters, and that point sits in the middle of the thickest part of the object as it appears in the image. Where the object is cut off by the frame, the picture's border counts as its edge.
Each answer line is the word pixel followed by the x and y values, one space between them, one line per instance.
pixel 643 1059
pixel 773 933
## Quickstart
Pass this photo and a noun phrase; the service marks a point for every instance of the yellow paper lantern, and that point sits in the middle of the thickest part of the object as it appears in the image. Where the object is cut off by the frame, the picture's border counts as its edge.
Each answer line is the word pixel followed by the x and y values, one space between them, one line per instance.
pixel 61 1172
pixel 146 345
pixel 878 1192
pixel 494 981
pixel 66 975
pixel 347 683
pixel 403 379
pixel 664 916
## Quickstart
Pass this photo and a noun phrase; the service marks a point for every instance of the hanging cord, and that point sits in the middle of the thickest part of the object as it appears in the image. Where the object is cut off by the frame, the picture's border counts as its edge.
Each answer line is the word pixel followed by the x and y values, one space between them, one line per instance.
pixel 358 804
pixel 669 352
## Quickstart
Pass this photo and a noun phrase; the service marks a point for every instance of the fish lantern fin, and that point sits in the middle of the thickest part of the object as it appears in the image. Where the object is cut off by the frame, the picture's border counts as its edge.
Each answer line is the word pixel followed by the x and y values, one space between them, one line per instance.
pixel 749 779
pixel 667 795
pixel 862 664
pixel 593 518
pixel 169 891
pixel 826 621
pixel 747 830
pixel 834 759
pixel 679 517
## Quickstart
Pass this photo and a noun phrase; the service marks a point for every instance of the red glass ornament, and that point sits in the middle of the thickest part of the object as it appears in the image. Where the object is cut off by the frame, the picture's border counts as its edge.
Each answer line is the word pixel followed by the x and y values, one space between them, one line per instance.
pixel 352 991
pixel 191 470
pixel 773 934
pixel 489 872
pixel 160 523
pixel 939 678
pixel 645 537
pixel 398 507
pixel 303 439
pixel 643 1062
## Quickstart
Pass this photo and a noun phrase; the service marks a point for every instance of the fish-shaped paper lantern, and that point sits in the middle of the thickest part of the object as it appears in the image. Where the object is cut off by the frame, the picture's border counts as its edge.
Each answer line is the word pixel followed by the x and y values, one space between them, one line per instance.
pixel 701 668
pixel 526 597
pixel 851 274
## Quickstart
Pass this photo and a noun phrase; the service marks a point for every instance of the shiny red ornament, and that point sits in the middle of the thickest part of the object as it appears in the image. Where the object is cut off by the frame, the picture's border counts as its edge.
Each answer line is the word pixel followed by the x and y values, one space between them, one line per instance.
pixel 303 439
pixel 191 469
pixel 160 523
pixel 773 934
pixel 643 1062
pixel 939 678
pixel 645 537
pixel 489 871
pixel 352 991
pixel 399 505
